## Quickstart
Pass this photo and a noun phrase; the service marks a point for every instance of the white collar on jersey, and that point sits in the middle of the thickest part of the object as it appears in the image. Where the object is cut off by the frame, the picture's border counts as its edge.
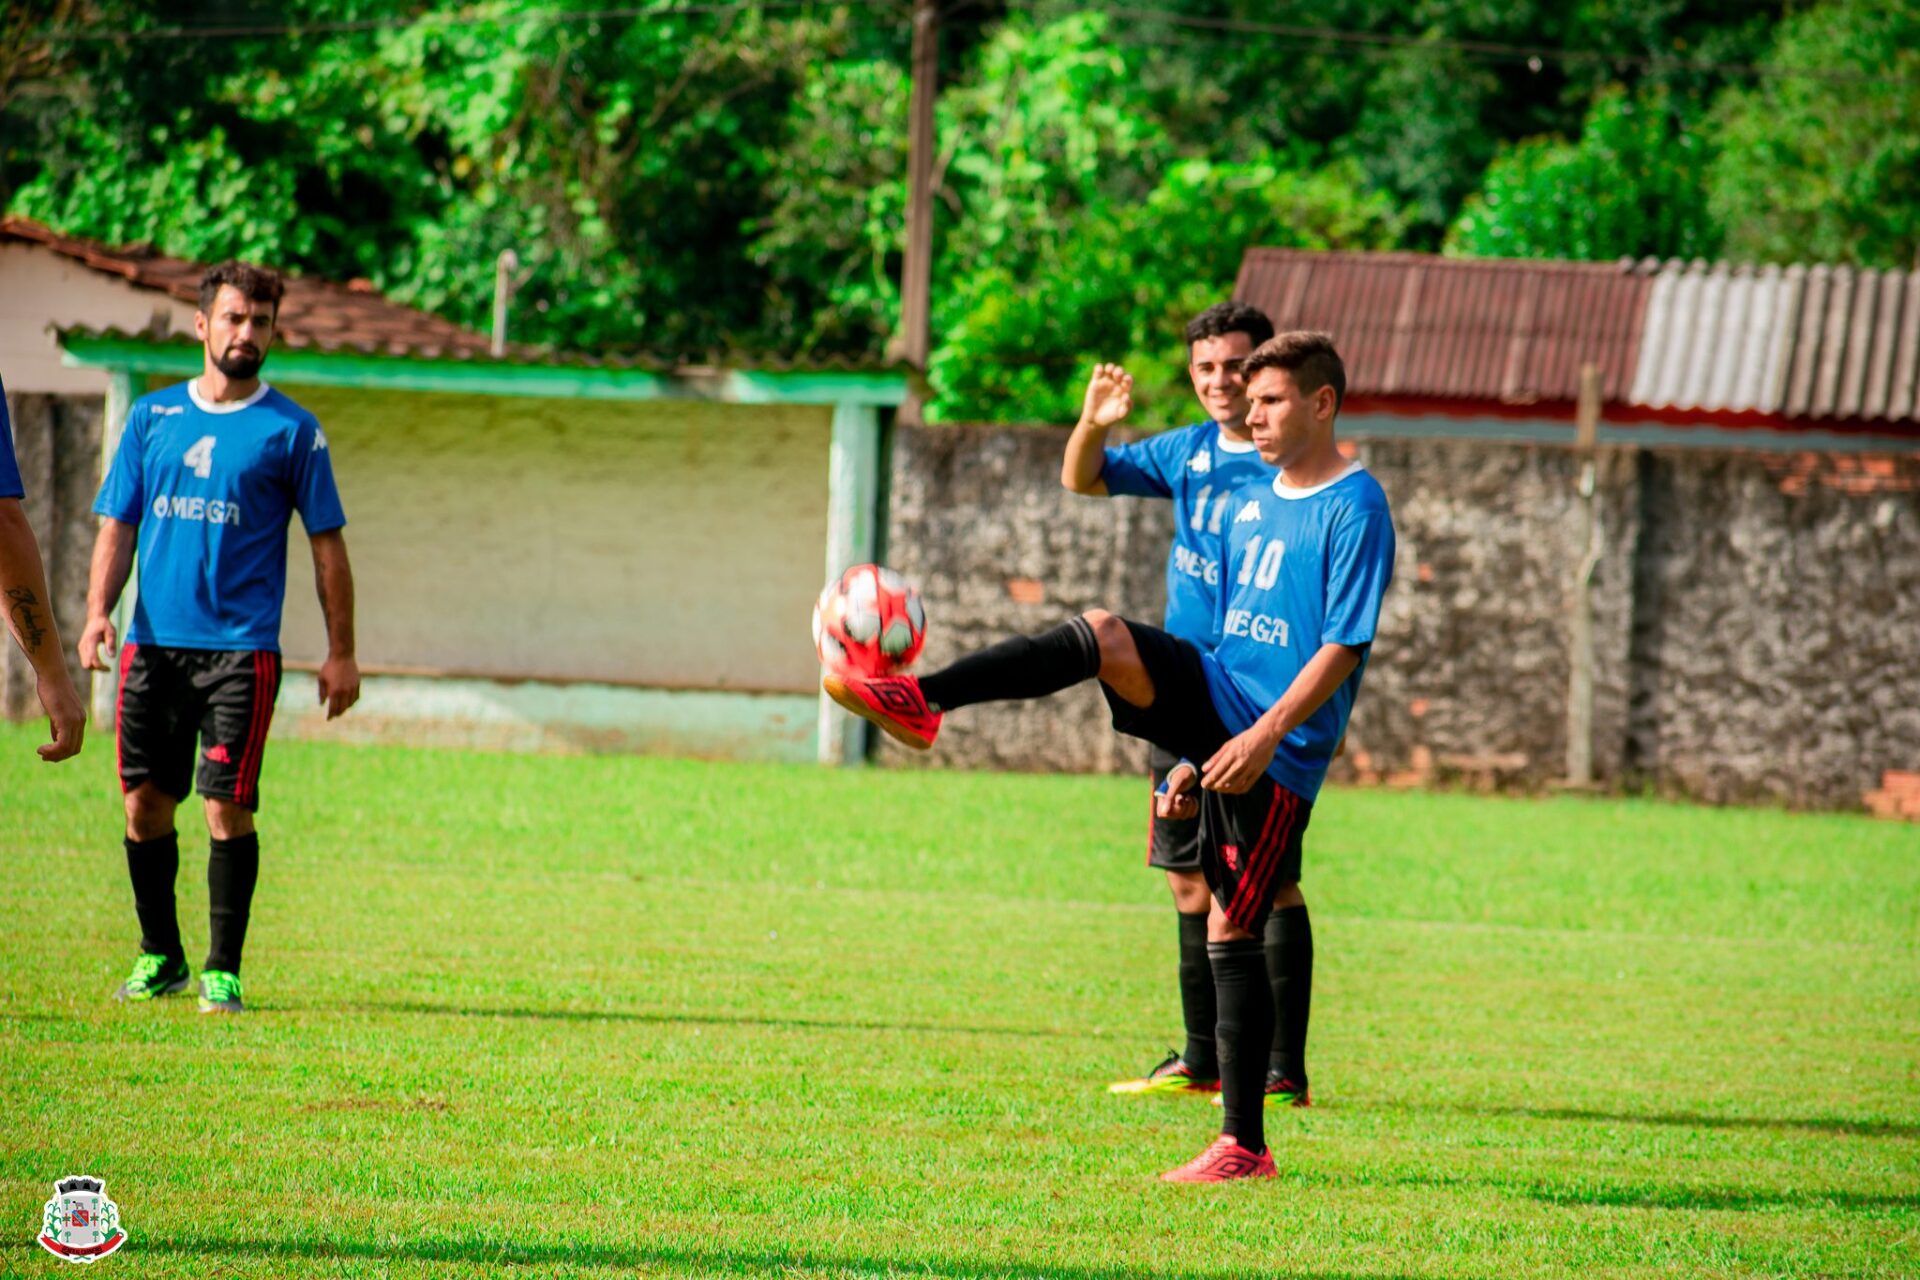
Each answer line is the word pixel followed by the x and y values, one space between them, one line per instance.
pixel 1294 495
pixel 1227 444
pixel 226 406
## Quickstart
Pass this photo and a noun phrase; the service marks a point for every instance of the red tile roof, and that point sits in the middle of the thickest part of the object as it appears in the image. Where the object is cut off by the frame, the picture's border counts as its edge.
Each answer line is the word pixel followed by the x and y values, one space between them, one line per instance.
pixel 315 314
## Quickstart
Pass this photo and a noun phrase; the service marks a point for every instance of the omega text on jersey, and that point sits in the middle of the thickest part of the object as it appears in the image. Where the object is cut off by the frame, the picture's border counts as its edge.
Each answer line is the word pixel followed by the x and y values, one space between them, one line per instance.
pixel 1260 628
pixel 1195 565
pixel 207 510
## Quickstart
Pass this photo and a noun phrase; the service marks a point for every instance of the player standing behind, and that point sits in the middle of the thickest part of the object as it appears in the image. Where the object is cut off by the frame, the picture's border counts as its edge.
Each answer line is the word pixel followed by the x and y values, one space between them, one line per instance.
pixel 206 479
pixel 1197 468
pixel 1307 558
pixel 29 609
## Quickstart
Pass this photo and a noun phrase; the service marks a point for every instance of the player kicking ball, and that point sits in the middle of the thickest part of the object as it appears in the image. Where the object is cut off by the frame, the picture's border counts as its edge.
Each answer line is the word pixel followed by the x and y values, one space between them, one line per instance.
pixel 1305 559
pixel 205 481
pixel 1197 468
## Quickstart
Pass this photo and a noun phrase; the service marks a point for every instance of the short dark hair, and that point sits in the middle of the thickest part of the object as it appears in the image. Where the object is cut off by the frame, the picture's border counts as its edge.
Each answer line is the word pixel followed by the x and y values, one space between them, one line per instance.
pixel 1308 356
pixel 1223 318
pixel 258 284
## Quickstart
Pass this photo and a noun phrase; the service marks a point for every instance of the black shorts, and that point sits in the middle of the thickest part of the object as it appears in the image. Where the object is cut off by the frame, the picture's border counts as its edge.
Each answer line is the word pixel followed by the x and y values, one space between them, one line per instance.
pixel 1250 844
pixel 175 703
pixel 1173 844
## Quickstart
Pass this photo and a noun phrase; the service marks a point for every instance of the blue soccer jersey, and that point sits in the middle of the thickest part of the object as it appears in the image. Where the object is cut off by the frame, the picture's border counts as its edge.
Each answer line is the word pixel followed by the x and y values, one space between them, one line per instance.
pixel 1306 568
pixel 1197 467
pixel 10 486
pixel 212 488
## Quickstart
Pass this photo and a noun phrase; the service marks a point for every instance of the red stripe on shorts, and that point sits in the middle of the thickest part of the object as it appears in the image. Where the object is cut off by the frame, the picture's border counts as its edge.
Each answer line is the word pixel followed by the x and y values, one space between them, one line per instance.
pixel 1264 858
pixel 119 710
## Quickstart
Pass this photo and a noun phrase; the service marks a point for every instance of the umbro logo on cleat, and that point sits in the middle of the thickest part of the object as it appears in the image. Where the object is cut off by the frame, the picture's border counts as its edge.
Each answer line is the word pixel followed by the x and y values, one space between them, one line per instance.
pixel 1248 513
pixel 896 699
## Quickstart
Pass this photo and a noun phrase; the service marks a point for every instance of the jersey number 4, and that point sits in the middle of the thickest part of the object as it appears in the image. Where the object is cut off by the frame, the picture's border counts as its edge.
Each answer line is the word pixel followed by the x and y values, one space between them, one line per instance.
pixel 200 456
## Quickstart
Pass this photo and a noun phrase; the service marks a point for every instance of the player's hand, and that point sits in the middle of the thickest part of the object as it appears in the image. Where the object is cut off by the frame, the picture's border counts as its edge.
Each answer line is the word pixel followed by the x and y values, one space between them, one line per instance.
pixel 1174 797
pixel 65 716
pixel 339 685
pixel 1237 765
pixel 1109 395
pixel 98 634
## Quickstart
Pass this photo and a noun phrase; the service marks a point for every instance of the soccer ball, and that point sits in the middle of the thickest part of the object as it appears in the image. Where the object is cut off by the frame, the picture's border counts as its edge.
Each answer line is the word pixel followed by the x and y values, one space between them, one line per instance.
pixel 869 621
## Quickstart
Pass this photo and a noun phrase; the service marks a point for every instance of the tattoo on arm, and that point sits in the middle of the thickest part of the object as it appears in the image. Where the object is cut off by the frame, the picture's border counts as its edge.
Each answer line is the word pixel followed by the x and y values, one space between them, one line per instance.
pixel 20 602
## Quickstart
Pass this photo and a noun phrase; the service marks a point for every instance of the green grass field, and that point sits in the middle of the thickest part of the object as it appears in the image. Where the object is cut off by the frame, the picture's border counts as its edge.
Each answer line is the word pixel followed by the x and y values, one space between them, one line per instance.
pixel 609 1016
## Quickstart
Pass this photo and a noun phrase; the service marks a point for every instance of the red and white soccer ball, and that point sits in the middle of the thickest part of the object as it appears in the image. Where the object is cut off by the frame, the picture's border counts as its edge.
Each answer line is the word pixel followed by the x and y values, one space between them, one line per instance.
pixel 869 621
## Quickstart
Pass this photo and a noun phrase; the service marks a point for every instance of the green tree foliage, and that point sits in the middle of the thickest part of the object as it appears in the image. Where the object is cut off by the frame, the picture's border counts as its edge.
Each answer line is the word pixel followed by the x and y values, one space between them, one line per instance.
pixel 1629 186
pixel 693 180
pixel 1824 168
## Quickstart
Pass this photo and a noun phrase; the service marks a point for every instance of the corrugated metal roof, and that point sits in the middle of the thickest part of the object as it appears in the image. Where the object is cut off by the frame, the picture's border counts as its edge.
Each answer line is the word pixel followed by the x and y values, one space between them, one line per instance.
pixel 1418 325
pixel 1798 342
pixel 1801 342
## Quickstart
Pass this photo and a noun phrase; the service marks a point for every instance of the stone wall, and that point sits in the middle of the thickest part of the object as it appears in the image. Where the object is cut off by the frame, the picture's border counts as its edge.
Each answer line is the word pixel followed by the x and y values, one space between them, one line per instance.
pixel 1756 616
pixel 57 442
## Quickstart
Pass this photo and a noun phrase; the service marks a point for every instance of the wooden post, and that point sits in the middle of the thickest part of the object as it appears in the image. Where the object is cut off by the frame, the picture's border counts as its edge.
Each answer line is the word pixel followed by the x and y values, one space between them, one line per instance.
pixel 1580 631
pixel 913 342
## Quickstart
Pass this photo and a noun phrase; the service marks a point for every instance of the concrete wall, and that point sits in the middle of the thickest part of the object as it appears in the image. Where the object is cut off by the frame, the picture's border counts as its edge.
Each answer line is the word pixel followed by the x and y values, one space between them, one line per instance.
pixel 1756 616
pixel 669 544
pixel 39 289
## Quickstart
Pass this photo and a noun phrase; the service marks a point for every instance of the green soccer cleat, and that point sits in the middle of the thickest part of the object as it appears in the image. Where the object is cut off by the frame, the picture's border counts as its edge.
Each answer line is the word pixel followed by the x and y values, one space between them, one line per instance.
pixel 220 992
pixel 1173 1075
pixel 153 976
pixel 1281 1092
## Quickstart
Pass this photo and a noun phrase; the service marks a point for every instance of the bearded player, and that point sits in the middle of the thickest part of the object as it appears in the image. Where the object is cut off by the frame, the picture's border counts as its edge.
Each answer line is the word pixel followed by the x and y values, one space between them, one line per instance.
pixel 206 479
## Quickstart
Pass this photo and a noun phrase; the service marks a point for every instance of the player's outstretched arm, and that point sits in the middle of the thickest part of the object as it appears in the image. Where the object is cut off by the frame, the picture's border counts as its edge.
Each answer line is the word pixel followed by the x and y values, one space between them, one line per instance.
pixel 1109 399
pixel 29 612
pixel 333 577
pixel 1237 765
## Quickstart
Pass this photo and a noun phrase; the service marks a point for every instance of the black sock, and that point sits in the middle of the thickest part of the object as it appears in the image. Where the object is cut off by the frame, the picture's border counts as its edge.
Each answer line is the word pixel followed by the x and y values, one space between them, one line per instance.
pixel 153 864
pixel 1244 1037
pixel 1023 667
pixel 232 868
pixel 1290 967
pixel 1197 1004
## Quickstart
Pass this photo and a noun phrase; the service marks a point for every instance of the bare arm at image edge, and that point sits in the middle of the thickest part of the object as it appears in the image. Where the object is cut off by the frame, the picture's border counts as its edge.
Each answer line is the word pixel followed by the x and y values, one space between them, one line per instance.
pixel 29 611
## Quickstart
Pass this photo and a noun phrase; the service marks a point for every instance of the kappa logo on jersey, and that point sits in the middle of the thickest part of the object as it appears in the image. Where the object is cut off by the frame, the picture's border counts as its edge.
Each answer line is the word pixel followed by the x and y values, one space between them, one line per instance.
pixel 1200 463
pixel 1248 513
pixel 1261 628
pixel 319 441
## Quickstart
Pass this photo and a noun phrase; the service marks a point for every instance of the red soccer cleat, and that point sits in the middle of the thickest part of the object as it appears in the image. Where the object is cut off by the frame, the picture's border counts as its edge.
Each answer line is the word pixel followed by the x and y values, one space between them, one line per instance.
pixel 892 702
pixel 1224 1161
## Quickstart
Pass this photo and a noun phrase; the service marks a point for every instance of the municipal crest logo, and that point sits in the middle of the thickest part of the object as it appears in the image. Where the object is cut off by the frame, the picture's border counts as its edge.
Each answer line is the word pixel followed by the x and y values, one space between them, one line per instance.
pixel 1200 463
pixel 81 1224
